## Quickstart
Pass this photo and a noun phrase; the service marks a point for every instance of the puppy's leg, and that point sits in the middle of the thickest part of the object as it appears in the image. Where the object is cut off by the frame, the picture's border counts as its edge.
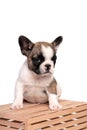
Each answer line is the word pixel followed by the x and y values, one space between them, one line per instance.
pixel 53 92
pixel 53 102
pixel 59 91
pixel 18 101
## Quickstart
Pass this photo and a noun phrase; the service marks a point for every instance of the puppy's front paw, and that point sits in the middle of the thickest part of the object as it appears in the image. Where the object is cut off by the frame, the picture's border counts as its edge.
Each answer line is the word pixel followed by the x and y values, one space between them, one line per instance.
pixel 17 105
pixel 55 106
pixel 53 102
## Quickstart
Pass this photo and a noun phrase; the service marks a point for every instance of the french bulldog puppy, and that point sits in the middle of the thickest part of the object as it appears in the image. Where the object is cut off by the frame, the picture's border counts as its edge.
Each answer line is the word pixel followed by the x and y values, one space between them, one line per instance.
pixel 35 82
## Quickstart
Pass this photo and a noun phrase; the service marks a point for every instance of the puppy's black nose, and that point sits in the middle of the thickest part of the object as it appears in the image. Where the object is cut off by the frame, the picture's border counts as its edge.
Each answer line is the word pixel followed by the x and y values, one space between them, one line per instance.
pixel 48 66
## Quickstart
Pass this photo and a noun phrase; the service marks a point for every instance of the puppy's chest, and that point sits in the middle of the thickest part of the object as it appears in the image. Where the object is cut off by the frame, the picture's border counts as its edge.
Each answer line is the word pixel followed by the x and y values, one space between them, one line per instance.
pixel 35 94
pixel 33 82
pixel 34 89
pixel 36 86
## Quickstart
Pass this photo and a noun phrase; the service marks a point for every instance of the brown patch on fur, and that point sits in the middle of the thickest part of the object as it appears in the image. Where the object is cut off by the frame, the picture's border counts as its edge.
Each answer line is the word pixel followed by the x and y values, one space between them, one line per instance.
pixel 36 50
pixel 52 87
pixel 34 53
pixel 39 44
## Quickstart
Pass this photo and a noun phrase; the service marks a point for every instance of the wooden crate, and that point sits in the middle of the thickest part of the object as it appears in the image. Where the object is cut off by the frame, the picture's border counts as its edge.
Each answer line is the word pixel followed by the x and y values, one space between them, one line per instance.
pixel 39 117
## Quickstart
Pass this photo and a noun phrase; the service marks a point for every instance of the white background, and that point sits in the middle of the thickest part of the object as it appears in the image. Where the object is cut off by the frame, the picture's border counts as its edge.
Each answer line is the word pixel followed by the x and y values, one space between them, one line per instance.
pixel 45 20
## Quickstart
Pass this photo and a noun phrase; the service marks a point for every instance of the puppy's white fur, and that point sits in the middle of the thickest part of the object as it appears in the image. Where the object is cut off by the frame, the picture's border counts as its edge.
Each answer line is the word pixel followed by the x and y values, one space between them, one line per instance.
pixel 47 53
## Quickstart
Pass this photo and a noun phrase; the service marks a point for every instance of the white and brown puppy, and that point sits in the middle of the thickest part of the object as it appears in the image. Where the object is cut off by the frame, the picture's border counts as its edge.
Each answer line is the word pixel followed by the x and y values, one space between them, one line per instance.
pixel 35 82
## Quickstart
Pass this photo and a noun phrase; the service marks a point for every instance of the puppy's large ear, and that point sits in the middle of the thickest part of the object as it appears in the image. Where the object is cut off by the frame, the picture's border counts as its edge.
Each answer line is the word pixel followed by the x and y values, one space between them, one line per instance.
pixel 57 42
pixel 25 45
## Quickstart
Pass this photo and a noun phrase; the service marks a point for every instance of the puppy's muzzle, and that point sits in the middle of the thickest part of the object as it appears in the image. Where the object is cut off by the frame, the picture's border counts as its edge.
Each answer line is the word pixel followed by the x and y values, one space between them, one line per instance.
pixel 47 67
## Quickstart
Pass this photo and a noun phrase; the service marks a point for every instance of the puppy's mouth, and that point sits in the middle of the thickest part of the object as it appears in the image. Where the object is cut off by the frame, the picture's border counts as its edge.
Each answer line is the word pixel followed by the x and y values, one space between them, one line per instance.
pixel 47 72
pixel 38 72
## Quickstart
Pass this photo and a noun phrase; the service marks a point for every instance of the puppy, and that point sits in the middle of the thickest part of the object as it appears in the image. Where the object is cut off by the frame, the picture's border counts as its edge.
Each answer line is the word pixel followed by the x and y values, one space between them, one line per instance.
pixel 35 82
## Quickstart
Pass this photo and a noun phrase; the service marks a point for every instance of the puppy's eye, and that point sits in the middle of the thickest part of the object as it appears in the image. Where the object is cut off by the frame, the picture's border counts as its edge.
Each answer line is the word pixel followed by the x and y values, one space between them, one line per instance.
pixel 54 58
pixel 36 60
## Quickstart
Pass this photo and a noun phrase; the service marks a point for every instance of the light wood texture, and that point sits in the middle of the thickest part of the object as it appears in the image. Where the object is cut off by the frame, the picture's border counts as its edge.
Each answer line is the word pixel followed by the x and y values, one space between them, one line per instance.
pixel 73 116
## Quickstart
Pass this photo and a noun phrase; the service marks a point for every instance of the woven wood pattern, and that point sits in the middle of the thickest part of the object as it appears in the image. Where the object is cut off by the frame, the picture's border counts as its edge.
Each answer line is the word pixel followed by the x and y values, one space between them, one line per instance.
pixel 73 116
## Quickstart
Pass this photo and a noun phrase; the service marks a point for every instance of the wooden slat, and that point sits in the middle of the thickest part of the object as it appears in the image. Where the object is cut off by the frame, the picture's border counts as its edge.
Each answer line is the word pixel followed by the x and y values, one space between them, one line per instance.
pixel 11 123
pixel 69 104
pixel 6 128
pixel 6 106
pixel 81 126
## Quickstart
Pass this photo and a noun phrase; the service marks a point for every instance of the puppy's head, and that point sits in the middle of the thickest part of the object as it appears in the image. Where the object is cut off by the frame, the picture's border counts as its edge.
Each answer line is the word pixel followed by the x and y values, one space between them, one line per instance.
pixel 41 56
